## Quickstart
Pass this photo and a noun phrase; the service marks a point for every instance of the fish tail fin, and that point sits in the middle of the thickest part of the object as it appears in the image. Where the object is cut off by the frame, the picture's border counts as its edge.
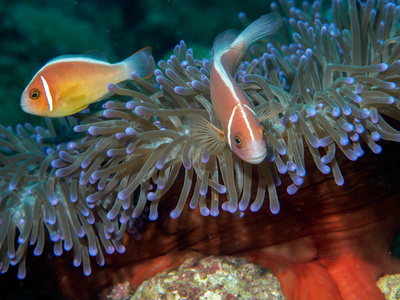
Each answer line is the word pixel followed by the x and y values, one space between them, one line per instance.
pixel 141 62
pixel 233 45
pixel 263 26
pixel 223 42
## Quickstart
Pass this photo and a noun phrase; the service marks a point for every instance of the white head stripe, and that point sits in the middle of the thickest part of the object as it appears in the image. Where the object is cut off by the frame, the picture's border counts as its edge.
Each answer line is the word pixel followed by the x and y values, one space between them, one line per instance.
pixel 47 92
pixel 245 119
pixel 230 125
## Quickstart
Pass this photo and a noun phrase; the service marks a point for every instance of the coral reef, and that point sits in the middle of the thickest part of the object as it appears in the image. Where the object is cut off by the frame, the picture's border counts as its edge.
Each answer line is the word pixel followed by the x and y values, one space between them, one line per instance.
pixel 324 91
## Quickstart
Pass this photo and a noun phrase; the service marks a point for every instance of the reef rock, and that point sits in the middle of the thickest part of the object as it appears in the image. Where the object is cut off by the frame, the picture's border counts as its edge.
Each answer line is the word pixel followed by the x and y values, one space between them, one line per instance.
pixel 390 286
pixel 212 278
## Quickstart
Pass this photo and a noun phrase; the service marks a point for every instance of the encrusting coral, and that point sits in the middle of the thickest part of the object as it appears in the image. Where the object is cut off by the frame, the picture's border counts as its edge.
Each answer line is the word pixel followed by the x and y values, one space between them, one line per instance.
pixel 329 87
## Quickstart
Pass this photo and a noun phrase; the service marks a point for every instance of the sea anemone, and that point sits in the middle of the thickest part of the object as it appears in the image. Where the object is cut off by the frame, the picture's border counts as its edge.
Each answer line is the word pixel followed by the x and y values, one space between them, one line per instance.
pixel 34 200
pixel 327 88
pixel 324 93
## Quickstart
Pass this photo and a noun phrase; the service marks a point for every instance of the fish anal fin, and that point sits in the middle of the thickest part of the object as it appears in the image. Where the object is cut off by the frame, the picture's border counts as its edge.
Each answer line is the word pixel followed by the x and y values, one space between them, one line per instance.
pixel 206 134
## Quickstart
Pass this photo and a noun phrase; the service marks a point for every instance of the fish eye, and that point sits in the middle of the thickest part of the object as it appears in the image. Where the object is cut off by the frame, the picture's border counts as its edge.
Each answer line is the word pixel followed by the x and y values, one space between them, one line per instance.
pixel 238 141
pixel 262 130
pixel 34 94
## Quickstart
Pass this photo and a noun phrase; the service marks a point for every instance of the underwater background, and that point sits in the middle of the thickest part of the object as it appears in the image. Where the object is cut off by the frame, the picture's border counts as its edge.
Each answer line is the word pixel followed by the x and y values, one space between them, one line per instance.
pixel 35 31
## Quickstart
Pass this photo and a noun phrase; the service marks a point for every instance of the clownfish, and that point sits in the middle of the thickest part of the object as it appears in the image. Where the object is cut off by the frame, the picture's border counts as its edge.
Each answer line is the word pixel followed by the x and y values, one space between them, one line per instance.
pixel 241 128
pixel 69 83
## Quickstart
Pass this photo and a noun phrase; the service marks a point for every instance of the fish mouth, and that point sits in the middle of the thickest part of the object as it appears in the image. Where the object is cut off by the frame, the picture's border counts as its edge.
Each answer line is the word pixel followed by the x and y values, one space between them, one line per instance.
pixel 255 160
pixel 24 108
pixel 27 109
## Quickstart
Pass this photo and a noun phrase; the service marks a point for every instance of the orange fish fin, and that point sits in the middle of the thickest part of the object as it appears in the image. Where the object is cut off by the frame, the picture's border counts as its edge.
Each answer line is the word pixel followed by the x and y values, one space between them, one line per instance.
pixel 74 94
pixel 71 89
pixel 206 134
pixel 73 97
pixel 79 97
pixel 141 62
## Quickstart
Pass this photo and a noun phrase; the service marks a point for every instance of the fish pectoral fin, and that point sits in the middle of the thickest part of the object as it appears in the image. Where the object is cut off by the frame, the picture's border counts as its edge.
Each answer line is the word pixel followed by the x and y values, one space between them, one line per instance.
pixel 71 90
pixel 268 113
pixel 74 104
pixel 206 134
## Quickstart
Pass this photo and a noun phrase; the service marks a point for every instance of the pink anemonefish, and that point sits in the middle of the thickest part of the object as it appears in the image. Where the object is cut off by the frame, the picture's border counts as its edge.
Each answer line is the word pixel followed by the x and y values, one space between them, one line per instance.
pixel 69 83
pixel 241 128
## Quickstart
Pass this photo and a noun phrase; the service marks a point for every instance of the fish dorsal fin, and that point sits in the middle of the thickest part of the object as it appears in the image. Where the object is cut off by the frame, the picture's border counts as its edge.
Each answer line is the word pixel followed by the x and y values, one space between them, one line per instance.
pixel 96 55
pixel 206 134
pixel 92 54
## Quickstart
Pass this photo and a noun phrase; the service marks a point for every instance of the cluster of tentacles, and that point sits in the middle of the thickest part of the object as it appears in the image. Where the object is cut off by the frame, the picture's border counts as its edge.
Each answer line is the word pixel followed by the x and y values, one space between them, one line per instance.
pixel 329 86
pixel 34 200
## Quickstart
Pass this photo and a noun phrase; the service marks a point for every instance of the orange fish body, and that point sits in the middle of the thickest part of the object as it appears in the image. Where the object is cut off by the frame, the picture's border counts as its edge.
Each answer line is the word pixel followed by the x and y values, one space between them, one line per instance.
pixel 240 125
pixel 68 84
